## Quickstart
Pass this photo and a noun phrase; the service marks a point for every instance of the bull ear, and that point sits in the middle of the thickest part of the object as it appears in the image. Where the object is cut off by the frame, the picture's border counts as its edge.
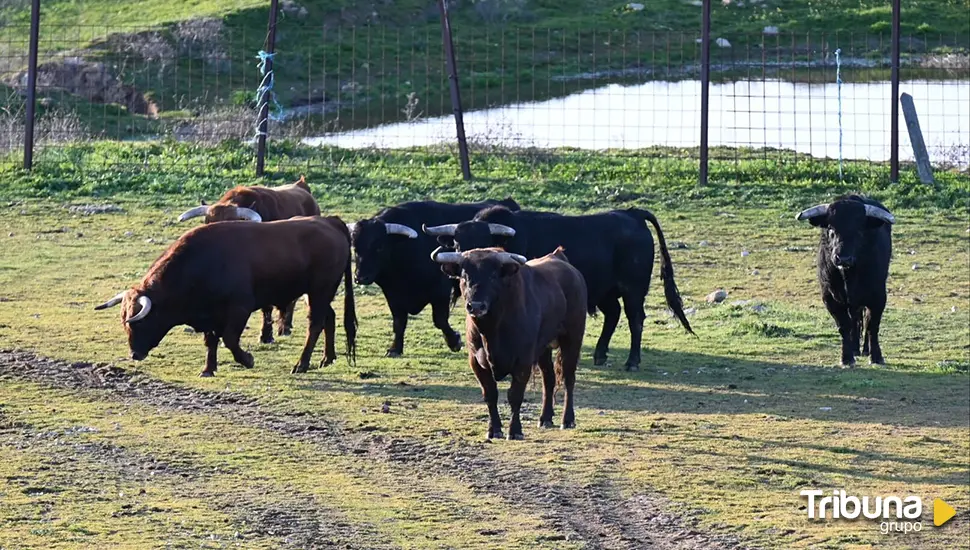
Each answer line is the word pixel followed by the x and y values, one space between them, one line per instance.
pixel 446 241
pixel 451 270
pixel 509 269
pixel 819 221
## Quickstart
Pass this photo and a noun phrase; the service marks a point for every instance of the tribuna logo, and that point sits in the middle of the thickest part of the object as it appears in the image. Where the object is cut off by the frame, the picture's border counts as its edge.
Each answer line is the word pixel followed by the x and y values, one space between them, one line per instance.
pixel 842 506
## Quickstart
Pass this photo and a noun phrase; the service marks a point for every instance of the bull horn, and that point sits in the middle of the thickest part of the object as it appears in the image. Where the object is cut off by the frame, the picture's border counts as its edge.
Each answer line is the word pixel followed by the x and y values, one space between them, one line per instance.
pixel 193 213
pixel 508 257
pixel 879 214
pixel 440 230
pixel 398 229
pixel 812 212
pixel 112 302
pixel 445 257
pixel 146 305
pixel 501 230
pixel 248 214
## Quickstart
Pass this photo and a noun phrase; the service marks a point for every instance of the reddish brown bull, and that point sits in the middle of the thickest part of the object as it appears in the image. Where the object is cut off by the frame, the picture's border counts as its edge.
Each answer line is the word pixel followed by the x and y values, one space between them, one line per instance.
pixel 518 311
pixel 216 275
pixel 262 204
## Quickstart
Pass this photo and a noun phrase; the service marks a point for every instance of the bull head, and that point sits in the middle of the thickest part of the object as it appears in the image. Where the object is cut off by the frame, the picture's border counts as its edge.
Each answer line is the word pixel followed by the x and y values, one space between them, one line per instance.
pixel 144 306
pixel 374 241
pixel 482 272
pixel 846 225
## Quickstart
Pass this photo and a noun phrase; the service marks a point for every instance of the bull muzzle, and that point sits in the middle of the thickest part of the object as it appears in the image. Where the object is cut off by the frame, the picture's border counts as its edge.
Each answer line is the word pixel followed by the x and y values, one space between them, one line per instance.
pixel 476 309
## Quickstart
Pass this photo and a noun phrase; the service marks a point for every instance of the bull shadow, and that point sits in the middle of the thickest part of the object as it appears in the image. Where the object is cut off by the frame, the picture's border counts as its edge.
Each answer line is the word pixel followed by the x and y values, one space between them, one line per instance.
pixel 694 383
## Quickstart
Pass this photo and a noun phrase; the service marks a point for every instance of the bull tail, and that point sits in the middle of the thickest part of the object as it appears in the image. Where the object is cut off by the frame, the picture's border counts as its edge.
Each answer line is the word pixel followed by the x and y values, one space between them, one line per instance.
pixel 671 294
pixel 350 312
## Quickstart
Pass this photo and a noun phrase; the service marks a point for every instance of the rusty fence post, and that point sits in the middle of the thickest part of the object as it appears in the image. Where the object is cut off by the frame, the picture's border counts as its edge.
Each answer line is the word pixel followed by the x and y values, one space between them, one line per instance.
pixel 266 89
pixel 31 85
pixel 894 119
pixel 705 85
pixel 455 92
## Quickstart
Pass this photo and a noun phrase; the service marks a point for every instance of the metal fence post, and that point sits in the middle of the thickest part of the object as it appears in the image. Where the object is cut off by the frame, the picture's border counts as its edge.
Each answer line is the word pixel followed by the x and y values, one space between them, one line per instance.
pixel 455 93
pixel 31 85
pixel 705 84
pixel 894 119
pixel 264 105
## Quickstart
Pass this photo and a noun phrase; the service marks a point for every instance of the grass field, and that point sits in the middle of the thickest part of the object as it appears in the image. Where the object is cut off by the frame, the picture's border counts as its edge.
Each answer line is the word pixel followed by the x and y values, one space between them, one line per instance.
pixel 707 446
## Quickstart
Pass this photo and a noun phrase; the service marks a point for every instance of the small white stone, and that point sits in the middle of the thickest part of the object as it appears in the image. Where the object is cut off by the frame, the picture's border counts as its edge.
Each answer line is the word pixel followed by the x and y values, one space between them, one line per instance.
pixel 635 6
pixel 744 253
pixel 771 30
pixel 722 43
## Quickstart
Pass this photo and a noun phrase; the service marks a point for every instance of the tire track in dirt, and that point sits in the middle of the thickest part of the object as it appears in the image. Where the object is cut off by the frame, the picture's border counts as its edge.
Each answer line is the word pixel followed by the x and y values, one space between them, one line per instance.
pixel 295 518
pixel 595 514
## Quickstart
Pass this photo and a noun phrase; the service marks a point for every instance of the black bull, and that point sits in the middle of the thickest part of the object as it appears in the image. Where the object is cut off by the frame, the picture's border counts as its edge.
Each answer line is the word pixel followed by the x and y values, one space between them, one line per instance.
pixel 391 252
pixel 613 250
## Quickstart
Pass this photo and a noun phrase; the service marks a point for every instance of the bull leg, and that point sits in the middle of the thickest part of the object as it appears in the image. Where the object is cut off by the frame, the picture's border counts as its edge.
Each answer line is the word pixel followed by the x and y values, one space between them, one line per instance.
pixel 516 395
pixel 317 317
pixel 566 362
pixel 610 307
pixel 844 321
pixel 548 388
pixel 439 314
pixel 266 336
pixel 872 332
pixel 284 324
pixel 633 306
pixel 235 323
pixel 400 324
pixel 211 355
pixel 329 335
pixel 490 394
pixel 856 315
pixel 864 321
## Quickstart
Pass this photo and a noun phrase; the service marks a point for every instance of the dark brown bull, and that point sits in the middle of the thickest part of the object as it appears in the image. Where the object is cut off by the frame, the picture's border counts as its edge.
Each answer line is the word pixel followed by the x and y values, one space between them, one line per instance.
pixel 518 311
pixel 214 276
pixel 262 204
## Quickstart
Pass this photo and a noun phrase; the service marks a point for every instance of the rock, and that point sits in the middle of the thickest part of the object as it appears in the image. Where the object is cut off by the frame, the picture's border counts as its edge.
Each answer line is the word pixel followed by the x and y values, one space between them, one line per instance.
pixel 703 243
pixel 189 330
pixel 149 240
pixel 771 30
pixel 690 311
pixel 89 209
pixel 10 234
pixel 386 407
pixel 129 233
pixel 717 296
pixel 953 309
pixel 91 80
pixel 745 253
pixel 825 408
pixel 759 308
pixel 740 303
pixel 755 272
pixel 915 267
pixel 634 6
pixel 722 43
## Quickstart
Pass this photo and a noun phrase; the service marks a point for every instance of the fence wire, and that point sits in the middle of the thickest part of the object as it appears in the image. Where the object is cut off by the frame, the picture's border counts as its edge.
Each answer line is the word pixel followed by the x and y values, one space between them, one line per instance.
pixel 527 92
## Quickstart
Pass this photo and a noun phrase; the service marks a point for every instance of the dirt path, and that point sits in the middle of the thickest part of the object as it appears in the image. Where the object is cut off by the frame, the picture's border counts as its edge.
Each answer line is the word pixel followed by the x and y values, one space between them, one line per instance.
pixel 594 514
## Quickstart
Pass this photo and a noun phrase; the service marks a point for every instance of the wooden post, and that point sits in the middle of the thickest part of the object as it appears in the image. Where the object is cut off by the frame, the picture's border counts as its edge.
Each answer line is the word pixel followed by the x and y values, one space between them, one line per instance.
pixel 705 85
pixel 916 139
pixel 264 105
pixel 449 46
pixel 31 85
pixel 894 113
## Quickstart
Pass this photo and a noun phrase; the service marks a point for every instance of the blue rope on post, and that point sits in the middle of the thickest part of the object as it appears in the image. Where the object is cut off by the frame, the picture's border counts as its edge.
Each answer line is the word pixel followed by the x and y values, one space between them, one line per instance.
pixel 838 82
pixel 275 113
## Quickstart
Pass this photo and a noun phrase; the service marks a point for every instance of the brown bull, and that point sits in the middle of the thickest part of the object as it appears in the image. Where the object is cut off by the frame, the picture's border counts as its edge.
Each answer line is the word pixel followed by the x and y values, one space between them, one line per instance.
pixel 262 204
pixel 518 311
pixel 216 275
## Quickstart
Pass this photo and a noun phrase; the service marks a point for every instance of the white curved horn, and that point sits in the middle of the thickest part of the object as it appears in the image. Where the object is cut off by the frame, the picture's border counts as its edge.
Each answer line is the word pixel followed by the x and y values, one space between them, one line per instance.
pixel 248 214
pixel 398 229
pixel 193 213
pixel 112 302
pixel 812 212
pixel 501 230
pixel 880 214
pixel 508 257
pixel 146 305
pixel 445 257
pixel 440 230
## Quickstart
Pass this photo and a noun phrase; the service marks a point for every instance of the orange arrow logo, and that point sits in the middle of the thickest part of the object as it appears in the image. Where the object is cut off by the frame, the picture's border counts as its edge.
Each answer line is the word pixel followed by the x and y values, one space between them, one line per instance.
pixel 942 512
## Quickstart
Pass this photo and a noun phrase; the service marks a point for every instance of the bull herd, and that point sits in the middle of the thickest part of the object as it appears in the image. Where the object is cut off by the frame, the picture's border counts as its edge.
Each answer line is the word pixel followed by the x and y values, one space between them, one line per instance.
pixel 528 280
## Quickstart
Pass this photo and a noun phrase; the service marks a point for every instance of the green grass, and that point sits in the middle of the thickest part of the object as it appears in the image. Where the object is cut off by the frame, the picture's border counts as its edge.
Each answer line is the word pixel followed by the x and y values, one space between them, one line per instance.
pixel 725 428
pixel 369 58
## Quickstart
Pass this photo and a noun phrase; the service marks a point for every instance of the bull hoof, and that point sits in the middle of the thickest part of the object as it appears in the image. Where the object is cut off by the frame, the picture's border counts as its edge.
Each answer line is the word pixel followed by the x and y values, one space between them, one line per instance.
pixel 516 437
pixel 877 361
pixel 284 332
pixel 546 424
pixel 207 374
pixel 847 364
pixel 599 360
pixel 456 345
pixel 494 434
pixel 247 361
pixel 632 368
pixel 393 353
pixel 567 425
pixel 327 361
pixel 298 369
pixel 269 340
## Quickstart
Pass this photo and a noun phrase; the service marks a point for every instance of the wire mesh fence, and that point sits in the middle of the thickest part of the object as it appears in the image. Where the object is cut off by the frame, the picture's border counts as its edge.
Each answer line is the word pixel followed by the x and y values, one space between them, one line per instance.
pixel 776 99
